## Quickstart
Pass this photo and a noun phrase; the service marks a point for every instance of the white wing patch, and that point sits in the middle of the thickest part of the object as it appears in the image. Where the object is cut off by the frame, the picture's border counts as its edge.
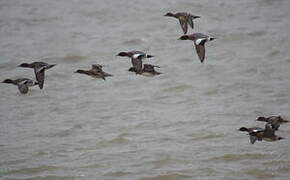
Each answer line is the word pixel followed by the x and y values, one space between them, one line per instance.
pixel 135 56
pixel 198 41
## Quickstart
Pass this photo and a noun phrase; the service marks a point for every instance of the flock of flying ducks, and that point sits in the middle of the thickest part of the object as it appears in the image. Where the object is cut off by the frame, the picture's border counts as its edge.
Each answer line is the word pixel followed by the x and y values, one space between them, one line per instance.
pixel 185 19
pixel 137 57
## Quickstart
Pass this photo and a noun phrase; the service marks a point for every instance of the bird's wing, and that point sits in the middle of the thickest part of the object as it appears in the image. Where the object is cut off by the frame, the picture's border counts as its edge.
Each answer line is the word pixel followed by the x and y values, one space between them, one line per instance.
pixel 137 64
pixel 269 132
pixel 183 24
pixel 200 50
pixel 23 88
pixel 190 21
pixel 253 139
pixel 39 74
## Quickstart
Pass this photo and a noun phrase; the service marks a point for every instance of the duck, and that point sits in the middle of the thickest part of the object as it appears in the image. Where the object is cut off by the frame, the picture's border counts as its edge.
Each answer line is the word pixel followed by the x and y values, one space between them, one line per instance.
pixel 136 59
pixel 39 69
pixel 184 18
pixel 96 71
pixel 257 133
pixel 274 121
pixel 148 70
pixel 23 84
pixel 199 40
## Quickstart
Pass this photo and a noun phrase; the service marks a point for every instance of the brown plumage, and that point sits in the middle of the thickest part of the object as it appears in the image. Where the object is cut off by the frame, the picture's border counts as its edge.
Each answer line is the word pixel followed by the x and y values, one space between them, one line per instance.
pixel 148 70
pixel 96 71
pixel 184 18
pixel 274 121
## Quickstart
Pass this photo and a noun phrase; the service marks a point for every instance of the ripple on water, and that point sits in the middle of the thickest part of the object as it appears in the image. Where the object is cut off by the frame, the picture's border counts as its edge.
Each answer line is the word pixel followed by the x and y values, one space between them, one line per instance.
pixel 239 157
pixel 73 58
pixel 207 137
pixel 173 176
pixel 273 53
pixel 256 33
pixel 261 173
pixel 30 171
pixel 12 162
pixel 50 177
pixel 133 42
pixel 115 141
pixel 61 133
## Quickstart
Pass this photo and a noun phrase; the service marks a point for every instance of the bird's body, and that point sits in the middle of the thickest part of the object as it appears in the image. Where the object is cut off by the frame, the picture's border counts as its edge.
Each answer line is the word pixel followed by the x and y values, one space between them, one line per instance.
pixel 131 53
pixel 39 70
pixel 23 84
pixel 184 18
pixel 199 40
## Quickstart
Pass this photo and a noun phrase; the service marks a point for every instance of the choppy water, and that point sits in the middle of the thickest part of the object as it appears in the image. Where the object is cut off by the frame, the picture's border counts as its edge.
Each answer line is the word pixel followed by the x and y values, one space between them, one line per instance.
pixel 181 125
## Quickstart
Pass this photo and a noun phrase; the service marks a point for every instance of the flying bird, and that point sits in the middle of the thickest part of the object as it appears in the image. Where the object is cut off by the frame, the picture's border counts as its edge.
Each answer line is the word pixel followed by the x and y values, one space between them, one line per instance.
pixel 184 18
pixel 39 70
pixel 22 84
pixel 199 40
pixel 96 72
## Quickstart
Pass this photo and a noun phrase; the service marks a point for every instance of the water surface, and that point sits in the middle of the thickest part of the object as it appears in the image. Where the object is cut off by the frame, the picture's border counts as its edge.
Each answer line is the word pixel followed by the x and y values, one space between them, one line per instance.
pixel 181 125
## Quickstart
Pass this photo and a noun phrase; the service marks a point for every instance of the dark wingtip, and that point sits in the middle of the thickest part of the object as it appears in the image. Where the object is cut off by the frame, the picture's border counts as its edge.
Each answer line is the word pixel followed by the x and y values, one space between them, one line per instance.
pixel 149 56
pixel 184 37
pixel 122 54
pixel 279 138
pixel 132 69
pixel 22 65
pixel 261 118
pixel 8 81
pixel 197 17
pixel 243 129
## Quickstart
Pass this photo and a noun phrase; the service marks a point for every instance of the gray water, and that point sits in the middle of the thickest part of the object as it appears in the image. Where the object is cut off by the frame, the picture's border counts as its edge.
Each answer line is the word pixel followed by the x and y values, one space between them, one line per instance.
pixel 181 125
